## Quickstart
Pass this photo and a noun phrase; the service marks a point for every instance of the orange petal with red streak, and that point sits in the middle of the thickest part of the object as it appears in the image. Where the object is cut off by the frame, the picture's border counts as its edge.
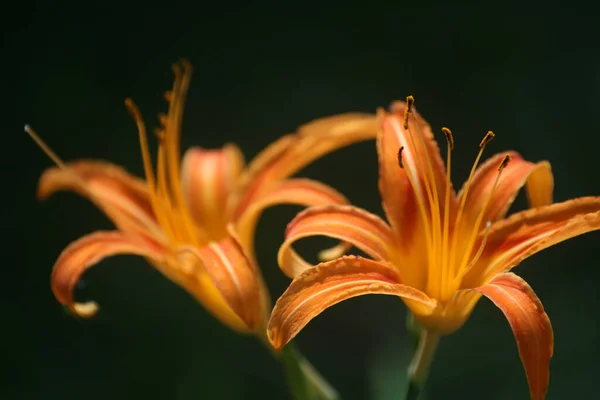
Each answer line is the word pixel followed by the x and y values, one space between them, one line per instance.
pixel 530 325
pixel 123 197
pixel 88 251
pixel 300 191
pixel 235 276
pixel 400 198
pixel 523 234
pixel 293 152
pixel 328 284
pixel 350 224
pixel 208 178
pixel 518 173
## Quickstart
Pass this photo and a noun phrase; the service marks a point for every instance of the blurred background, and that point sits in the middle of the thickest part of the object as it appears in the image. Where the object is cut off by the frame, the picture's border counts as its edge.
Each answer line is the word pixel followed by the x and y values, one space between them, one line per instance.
pixel 530 73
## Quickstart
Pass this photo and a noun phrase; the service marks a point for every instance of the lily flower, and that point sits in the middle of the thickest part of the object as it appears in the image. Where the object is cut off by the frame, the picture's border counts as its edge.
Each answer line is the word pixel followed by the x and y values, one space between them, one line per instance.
pixel 441 251
pixel 194 220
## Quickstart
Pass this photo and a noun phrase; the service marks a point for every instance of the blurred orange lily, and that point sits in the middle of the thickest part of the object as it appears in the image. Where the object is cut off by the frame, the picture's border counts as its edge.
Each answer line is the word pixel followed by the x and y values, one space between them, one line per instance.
pixel 441 251
pixel 195 222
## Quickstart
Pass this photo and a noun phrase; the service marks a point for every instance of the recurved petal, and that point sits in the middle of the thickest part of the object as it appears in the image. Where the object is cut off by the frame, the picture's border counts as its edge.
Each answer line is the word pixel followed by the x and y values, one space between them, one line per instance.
pixel 293 152
pixel 234 275
pixel 347 223
pixel 518 173
pixel 530 325
pixel 330 283
pixel 208 178
pixel 421 163
pixel 123 197
pixel 90 250
pixel 299 191
pixel 525 233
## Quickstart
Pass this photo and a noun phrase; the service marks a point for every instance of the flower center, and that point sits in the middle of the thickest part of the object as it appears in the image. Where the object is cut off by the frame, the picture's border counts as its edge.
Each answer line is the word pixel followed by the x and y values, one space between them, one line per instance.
pixel 164 185
pixel 443 224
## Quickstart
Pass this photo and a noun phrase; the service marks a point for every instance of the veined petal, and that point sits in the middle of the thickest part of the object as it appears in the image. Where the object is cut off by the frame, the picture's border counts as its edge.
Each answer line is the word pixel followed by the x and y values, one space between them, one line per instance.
pixel 300 191
pixel 537 176
pixel 293 152
pixel 400 199
pixel 234 275
pixel 208 178
pixel 530 325
pixel 330 283
pixel 123 197
pixel 90 250
pixel 525 233
pixel 347 223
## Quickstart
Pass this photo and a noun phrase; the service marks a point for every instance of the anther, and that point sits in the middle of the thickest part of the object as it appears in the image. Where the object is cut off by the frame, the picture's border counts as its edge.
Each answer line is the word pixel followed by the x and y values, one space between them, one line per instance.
pixel 400 157
pixel 162 117
pixel 449 137
pixel 504 162
pixel 487 138
pixel 168 95
pixel 160 134
pixel 410 101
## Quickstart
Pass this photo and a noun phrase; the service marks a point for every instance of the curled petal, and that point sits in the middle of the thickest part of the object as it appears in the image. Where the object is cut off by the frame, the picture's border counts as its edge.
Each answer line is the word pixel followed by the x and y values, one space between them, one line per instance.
pixel 421 163
pixel 90 250
pixel 330 283
pixel 293 152
pixel 530 325
pixel 208 178
pixel 300 191
pixel 234 275
pixel 518 173
pixel 523 234
pixel 123 197
pixel 349 224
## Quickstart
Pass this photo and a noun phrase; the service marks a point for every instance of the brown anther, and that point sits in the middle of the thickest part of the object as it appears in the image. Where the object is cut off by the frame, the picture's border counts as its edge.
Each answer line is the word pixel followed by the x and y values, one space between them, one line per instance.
pixel 400 157
pixel 168 95
pixel 410 101
pixel 449 137
pixel 504 162
pixel 486 139
pixel 164 120
pixel 160 134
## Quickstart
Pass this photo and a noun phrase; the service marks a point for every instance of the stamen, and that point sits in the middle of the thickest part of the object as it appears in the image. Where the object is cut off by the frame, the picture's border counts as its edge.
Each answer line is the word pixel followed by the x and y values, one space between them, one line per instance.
pixel 486 139
pixel 400 157
pixel 410 101
pixel 449 138
pixel 475 229
pixel 428 177
pixel 482 145
pixel 46 149
pixel 504 163
pixel 446 229
pixel 463 272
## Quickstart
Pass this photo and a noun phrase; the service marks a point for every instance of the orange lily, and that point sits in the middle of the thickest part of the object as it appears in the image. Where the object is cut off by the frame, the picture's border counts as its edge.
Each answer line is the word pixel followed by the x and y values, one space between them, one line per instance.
pixel 195 222
pixel 441 251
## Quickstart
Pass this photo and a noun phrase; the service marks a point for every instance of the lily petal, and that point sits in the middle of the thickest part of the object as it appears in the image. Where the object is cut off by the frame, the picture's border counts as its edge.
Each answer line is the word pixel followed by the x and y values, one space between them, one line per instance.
pixel 400 199
pixel 530 324
pixel 523 234
pixel 233 274
pixel 300 191
pixel 537 176
pixel 330 283
pixel 293 152
pixel 360 228
pixel 208 178
pixel 123 197
pixel 87 251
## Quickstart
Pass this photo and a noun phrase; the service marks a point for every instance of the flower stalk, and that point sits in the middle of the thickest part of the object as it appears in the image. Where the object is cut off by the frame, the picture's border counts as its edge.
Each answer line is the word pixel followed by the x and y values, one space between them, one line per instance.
pixel 418 370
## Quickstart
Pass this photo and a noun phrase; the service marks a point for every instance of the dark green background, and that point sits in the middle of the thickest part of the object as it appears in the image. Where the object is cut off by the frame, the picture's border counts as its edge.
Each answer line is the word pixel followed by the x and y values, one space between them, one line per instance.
pixel 530 72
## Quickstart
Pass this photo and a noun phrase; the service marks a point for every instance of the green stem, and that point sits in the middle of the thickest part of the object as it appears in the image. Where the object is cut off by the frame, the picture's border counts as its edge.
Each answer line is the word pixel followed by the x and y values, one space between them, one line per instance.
pixel 303 380
pixel 419 366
